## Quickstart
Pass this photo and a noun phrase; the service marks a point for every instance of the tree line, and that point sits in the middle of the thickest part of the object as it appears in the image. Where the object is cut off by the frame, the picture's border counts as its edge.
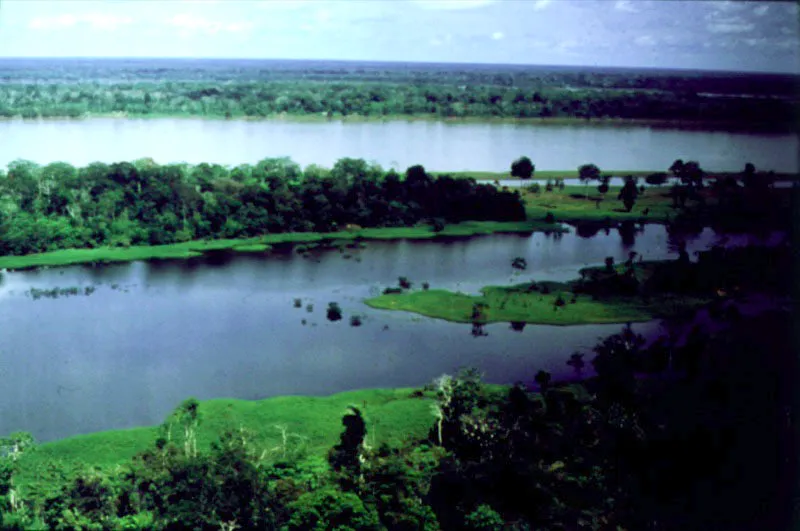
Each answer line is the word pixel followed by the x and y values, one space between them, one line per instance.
pixel 59 206
pixel 375 99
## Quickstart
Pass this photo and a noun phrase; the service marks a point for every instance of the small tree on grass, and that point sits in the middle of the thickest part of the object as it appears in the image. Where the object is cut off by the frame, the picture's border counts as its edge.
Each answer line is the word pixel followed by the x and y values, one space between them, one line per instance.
pixel 588 173
pixel 522 168
pixel 629 193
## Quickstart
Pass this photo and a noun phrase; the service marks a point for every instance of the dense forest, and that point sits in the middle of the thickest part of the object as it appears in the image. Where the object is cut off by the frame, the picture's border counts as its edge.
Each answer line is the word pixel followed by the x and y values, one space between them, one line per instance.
pixel 70 88
pixel 58 206
pixel 689 433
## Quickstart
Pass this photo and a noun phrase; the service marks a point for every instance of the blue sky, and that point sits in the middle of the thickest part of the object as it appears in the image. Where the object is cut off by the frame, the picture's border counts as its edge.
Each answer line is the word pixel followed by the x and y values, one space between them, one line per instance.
pixel 750 36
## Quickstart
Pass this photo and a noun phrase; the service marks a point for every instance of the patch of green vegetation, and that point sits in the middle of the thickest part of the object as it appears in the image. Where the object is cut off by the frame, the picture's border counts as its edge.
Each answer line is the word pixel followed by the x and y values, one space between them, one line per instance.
pixel 393 416
pixel 537 176
pixel 263 243
pixel 585 203
pixel 549 303
pixel 502 305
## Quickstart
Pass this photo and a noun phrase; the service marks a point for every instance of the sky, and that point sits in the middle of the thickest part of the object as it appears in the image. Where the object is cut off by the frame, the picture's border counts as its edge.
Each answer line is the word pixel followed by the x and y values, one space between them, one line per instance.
pixel 716 35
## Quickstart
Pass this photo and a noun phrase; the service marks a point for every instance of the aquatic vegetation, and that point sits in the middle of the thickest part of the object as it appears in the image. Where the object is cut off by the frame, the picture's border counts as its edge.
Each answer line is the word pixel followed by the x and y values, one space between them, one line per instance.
pixel 298 303
pixel 334 311
pixel 54 293
pixel 519 263
pixel 309 307
pixel 355 320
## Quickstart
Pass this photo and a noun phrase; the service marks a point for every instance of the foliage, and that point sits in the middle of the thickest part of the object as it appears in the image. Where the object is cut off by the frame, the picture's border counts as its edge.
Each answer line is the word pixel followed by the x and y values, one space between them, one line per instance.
pixel 522 168
pixel 257 89
pixel 142 203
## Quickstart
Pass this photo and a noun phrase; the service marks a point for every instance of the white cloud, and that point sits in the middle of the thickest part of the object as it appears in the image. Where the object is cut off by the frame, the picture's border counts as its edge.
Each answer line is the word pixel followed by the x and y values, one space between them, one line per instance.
pixel 538 5
pixel 190 24
pixel 626 6
pixel 497 35
pixel 645 40
pixel 730 27
pixel 452 4
pixel 101 21
pixel 761 10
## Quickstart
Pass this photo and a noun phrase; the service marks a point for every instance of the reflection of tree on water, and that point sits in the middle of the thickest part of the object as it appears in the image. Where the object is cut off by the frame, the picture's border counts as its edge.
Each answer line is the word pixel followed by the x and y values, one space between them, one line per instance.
pixel 628 230
pixel 478 330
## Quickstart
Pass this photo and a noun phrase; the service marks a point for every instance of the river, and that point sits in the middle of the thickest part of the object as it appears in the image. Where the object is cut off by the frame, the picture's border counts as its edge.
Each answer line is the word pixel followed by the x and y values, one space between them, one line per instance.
pixel 153 334
pixel 439 146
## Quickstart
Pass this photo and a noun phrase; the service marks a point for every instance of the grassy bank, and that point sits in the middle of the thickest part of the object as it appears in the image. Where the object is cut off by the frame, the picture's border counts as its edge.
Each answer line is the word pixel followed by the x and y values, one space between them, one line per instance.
pixel 392 415
pixel 703 125
pixel 522 303
pixel 540 175
pixel 537 176
pixel 262 244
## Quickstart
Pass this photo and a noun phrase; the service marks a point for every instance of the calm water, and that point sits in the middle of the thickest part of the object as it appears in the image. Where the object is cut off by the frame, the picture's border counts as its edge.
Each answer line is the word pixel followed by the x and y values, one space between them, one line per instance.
pixel 438 146
pixel 226 327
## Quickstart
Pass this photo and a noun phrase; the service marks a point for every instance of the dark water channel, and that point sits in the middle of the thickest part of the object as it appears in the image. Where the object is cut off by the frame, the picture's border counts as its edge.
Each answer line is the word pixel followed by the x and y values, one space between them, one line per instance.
pixel 153 334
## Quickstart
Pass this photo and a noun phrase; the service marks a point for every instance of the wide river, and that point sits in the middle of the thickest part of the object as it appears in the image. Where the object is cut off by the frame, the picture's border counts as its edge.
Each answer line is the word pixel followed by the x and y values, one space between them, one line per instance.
pixel 439 146
pixel 153 334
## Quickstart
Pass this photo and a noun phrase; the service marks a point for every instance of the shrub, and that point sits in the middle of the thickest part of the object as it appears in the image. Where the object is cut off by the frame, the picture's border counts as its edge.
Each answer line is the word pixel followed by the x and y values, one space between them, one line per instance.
pixel 535 188
pixel 334 312
pixel 404 282
pixel 425 285
pixel 549 218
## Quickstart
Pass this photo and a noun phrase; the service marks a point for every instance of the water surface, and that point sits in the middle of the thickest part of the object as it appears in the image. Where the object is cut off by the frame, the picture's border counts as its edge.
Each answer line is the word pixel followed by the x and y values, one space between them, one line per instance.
pixel 155 333
pixel 439 146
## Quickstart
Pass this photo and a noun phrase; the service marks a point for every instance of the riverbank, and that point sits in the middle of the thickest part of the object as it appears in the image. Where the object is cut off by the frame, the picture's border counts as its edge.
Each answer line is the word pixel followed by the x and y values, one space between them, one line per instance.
pixel 690 125
pixel 262 244
pixel 315 423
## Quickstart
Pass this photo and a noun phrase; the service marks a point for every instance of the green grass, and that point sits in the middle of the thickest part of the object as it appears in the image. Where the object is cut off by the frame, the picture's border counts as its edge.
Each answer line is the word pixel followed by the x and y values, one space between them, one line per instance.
pixel 517 303
pixel 261 244
pixel 538 175
pixel 571 205
pixel 392 416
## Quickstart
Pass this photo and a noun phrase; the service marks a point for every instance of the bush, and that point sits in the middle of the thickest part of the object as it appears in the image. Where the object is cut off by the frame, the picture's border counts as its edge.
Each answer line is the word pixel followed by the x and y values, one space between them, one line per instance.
pixel 404 282
pixel 425 286
pixel 549 218
pixel 535 188
pixel 392 291
pixel 334 312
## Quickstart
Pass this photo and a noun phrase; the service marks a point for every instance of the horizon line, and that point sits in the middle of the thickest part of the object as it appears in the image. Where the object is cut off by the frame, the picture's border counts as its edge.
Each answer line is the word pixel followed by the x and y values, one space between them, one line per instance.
pixel 397 61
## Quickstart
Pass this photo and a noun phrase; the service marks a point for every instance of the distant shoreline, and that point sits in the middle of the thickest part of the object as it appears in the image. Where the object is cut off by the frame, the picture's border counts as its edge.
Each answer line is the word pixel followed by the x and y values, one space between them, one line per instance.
pixel 691 125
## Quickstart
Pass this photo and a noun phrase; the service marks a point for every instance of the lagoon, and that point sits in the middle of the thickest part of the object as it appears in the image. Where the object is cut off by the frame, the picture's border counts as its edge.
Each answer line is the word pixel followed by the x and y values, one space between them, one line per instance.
pixel 155 333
